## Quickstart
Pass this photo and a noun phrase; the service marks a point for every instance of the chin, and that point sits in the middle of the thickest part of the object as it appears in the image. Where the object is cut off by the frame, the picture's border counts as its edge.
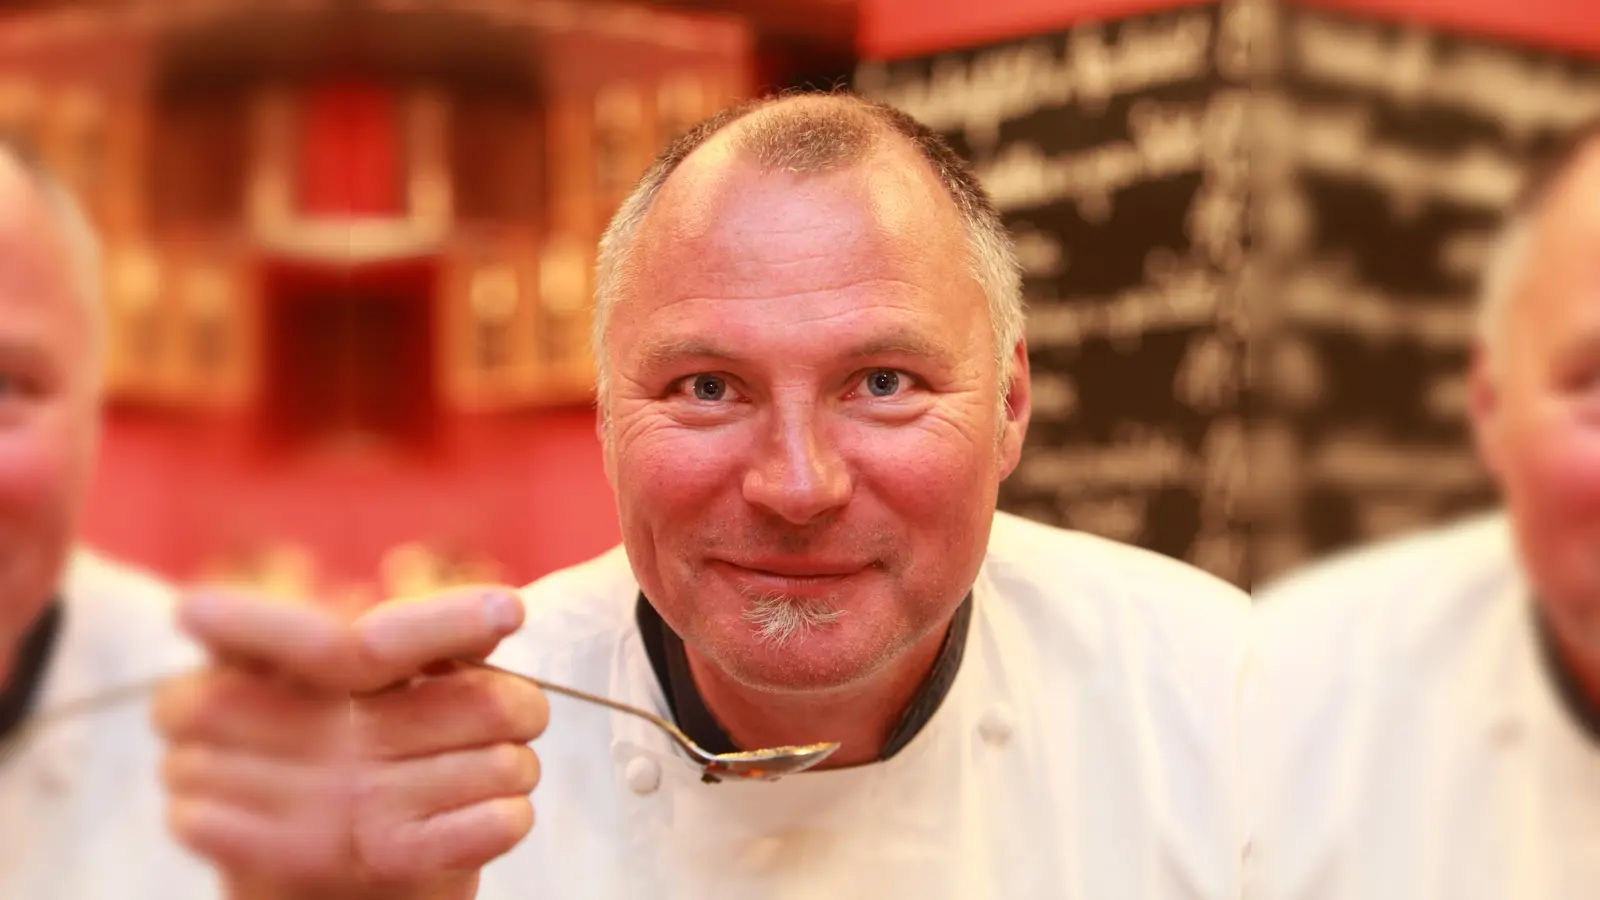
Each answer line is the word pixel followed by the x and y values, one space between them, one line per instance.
pixel 827 658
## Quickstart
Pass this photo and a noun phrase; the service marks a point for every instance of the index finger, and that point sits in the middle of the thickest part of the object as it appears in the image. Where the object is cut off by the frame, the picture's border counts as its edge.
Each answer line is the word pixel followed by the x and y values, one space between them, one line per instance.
pixel 400 638
pixel 299 639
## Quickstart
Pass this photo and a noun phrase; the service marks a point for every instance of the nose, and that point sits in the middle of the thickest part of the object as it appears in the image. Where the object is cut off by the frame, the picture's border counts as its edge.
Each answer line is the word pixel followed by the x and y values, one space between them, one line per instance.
pixel 800 475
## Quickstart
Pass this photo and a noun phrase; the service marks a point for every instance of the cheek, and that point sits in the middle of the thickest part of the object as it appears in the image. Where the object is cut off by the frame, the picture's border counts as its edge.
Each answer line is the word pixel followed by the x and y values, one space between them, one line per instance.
pixel 1553 474
pixel 38 475
pixel 671 472
pixel 939 487
pixel 41 480
pixel 1551 479
pixel 925 472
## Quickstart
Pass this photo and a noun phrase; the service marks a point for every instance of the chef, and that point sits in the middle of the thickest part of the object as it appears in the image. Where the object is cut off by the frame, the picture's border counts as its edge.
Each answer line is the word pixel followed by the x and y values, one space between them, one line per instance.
pixel 812 380
pixel 1424 719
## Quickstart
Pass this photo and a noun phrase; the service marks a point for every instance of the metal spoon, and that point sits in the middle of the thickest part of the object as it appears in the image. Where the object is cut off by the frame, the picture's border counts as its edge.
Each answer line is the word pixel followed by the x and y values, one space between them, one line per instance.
pixel 751 765
pixel 764 765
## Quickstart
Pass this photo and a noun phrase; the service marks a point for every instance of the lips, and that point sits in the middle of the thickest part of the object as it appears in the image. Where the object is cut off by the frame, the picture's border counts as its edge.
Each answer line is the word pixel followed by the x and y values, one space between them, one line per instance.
pixel 794 567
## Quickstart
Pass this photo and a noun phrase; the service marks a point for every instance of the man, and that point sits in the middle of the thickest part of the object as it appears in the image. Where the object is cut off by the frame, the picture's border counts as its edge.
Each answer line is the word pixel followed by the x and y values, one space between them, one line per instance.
pixel 81 803
pixel 812 380
pixel 1426 713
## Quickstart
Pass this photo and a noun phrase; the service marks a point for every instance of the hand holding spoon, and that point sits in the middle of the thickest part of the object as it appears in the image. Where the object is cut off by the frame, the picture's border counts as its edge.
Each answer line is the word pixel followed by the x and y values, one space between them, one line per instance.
pixel 751 765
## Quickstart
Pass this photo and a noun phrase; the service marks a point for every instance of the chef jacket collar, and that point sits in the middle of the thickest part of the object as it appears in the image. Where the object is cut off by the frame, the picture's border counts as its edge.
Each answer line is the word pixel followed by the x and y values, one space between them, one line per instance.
pixel 688 707
pixel 1579 704
pixel 32 661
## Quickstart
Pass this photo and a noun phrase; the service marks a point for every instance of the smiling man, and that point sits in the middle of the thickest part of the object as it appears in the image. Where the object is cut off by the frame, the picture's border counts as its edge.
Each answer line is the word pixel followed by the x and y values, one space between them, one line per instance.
pixel 813 379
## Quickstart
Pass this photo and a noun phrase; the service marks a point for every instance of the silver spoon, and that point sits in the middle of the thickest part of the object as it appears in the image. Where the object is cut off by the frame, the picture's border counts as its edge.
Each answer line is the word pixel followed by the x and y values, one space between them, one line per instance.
pixel 752 765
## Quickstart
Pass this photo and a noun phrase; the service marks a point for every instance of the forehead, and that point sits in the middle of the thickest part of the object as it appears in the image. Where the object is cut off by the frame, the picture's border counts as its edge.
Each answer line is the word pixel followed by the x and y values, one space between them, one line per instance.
pixel 36 277
pixel 724 229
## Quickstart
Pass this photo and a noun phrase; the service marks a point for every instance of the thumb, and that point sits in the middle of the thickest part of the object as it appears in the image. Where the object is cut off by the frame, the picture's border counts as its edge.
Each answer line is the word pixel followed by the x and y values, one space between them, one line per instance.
pixel 399 639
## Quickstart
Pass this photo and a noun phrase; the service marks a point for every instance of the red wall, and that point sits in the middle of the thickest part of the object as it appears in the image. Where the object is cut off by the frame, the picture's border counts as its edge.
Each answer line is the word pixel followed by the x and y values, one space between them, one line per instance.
pixel 898 29
pixel 173 491
pixel 892 29
pixel 529 491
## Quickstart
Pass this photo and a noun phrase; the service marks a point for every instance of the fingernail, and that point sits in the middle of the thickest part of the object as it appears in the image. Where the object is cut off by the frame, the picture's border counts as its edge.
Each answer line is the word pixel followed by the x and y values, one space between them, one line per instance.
pixel 504 611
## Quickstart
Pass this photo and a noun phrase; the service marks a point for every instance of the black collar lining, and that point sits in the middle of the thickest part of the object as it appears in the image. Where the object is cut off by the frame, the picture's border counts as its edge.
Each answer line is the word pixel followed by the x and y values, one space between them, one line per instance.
pixel 1579 704
pixel 34 651
pixel 688 708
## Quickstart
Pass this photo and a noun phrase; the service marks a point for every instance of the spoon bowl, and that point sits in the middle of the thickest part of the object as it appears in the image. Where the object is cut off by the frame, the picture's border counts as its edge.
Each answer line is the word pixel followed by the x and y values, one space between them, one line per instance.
pixel 764 765
pixel 768 764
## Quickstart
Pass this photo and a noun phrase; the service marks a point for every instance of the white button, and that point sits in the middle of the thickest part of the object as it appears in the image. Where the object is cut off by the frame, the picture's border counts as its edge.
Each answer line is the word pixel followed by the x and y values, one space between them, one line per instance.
pixel 643 775
pixel 995 726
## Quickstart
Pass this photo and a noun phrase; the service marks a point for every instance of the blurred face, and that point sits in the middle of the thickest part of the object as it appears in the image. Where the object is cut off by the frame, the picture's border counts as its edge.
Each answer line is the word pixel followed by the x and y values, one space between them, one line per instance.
pixel 1538 416
pixel 807 433
pixel 47 410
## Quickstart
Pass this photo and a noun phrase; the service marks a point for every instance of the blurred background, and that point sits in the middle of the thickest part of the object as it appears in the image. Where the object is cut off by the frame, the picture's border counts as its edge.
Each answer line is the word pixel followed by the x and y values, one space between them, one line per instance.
pixel 349 250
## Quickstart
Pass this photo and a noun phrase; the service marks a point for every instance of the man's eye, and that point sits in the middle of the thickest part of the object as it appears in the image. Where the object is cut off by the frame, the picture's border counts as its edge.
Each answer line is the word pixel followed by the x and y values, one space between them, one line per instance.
pixel 883 382
pixel 708 387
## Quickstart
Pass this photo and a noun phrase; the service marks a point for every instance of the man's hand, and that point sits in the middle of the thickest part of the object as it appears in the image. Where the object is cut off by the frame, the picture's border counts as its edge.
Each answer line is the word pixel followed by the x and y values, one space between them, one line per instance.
pixel 320 757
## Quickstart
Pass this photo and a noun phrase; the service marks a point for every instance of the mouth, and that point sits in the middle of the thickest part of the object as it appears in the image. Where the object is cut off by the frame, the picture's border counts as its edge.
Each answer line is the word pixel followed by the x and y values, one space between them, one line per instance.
pixel 797 569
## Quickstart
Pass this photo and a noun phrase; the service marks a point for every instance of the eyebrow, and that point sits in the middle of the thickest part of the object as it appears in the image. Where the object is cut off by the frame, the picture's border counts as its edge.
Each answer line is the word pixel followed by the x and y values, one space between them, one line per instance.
pixel 661 354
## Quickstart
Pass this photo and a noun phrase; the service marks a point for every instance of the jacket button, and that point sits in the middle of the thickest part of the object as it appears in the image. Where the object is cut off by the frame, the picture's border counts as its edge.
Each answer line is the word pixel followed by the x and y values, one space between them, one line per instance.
pixel 995 727
pixel 643 775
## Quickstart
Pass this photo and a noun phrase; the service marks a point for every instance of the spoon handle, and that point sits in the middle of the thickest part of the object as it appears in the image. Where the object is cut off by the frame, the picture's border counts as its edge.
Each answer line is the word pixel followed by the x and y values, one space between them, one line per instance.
pixel 574 693
pixel 139 689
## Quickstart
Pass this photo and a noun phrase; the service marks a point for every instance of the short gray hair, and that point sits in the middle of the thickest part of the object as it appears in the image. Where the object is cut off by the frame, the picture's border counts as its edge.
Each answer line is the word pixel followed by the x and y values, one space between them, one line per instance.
pixel 807 133
pixel 83 242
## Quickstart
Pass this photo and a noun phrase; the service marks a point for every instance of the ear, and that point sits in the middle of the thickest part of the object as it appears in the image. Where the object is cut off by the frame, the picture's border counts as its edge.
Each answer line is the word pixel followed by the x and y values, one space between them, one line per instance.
pixel 1018 409
pixel 1484 408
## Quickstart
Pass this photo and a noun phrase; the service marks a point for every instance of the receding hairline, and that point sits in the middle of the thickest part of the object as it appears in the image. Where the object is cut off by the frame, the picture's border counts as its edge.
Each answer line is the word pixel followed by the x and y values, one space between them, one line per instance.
pixel 697 191
pixel 856 128
pixel 791 136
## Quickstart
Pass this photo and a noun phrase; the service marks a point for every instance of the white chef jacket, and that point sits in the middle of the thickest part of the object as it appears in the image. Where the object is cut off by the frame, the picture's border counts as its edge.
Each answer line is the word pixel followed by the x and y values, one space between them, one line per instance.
pixel 1085 750
pixel 82 812
pixel 1404 739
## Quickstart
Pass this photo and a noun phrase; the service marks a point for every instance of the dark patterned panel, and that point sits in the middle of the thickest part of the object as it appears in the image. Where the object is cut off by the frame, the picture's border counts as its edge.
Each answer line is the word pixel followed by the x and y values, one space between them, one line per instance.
pixel 1252 235
pixel 1115 152
pixel 1410 145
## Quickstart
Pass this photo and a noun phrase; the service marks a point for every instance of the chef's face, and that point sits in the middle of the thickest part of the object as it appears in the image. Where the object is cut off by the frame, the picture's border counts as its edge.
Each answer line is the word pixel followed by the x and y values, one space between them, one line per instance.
pixel 47 405
pixel 807 431
pixel 1538 412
